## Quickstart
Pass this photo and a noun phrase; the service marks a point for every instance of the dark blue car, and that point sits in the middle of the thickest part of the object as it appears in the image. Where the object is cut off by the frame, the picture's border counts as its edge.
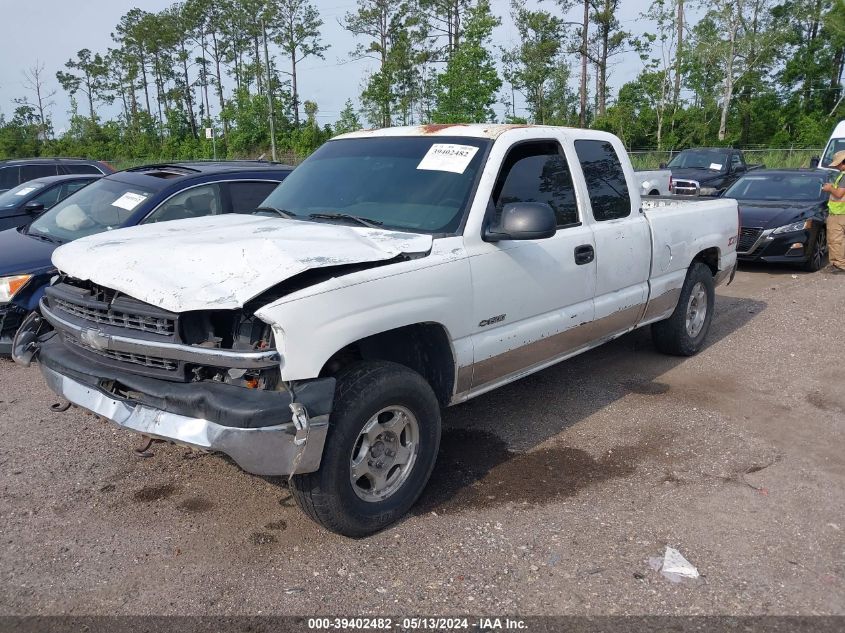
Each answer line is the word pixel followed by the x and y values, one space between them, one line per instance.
pixel 153 193
pixel 782 215
pixel 20 205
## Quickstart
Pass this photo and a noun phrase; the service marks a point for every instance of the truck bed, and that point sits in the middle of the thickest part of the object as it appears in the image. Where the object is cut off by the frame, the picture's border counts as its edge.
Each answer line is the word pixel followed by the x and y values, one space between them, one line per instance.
pixel 681 228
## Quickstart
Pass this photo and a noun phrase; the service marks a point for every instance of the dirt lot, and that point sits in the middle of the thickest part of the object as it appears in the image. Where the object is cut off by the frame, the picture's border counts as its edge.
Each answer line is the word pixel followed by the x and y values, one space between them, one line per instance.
pixel 549 497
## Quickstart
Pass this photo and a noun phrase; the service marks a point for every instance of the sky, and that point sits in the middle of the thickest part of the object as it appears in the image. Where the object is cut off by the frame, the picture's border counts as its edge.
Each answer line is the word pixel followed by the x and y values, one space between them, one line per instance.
pixel 51 31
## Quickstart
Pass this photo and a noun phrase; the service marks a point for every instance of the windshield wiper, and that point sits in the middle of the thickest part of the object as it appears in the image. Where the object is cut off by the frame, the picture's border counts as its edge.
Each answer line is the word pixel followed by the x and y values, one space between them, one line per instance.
pixel 373 224
pixel 46 238
pixel 282 212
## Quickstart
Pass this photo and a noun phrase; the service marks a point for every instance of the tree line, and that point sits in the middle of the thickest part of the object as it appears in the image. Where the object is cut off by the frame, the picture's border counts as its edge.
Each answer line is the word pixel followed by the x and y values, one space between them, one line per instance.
pixel 741 72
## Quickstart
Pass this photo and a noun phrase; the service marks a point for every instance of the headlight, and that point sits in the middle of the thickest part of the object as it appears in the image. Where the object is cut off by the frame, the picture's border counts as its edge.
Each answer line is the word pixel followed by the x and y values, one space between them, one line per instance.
pixel 10 285
pixel 795 226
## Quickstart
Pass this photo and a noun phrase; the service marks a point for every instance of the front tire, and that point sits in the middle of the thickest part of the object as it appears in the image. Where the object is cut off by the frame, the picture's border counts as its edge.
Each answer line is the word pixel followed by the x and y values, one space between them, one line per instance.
pixel 819 252
pixel 383 439
pixel 683 333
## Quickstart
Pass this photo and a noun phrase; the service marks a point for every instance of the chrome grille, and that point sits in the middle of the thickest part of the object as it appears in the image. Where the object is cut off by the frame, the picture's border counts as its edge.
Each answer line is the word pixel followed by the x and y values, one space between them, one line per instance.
pixel 747 239
pixel 124 357
pixel 685 188
pixel 154 325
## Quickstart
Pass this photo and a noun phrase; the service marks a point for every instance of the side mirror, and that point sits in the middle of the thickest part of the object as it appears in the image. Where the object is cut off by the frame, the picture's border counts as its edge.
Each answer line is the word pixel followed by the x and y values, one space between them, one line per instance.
pixel 33 207
pixel 523 221
pixel 814 162
pixel 662 166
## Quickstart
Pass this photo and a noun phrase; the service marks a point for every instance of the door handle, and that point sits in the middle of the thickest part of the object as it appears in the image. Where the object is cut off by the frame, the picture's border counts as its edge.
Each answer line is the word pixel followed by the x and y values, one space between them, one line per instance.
pixel 584 254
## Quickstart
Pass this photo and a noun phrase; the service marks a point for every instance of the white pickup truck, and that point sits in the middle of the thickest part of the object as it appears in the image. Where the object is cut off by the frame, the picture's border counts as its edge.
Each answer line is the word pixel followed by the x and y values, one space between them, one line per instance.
pixel 655 182
pixel 395 272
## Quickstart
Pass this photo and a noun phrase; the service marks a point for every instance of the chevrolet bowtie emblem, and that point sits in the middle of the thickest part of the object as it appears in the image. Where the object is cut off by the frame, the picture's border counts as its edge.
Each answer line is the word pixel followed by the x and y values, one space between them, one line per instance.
pixel 95 339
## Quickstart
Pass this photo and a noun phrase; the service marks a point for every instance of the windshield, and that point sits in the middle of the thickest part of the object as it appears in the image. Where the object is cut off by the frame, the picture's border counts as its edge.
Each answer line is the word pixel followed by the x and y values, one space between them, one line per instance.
pixel 700 159
pixel 799 187
pixel 101 206
pixel 13 197
pixel 835 145
pixel 419 184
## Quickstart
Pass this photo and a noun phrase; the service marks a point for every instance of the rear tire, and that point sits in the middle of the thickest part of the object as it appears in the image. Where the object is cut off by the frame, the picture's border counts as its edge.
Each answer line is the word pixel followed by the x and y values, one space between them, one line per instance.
pixel 684 333
pixel 383 439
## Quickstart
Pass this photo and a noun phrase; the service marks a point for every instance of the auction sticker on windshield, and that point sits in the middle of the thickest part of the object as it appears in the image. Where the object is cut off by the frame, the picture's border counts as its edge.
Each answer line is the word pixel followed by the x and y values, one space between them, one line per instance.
pixel 448 157
pixel 716 166
pixel 129 200
pixel 25 191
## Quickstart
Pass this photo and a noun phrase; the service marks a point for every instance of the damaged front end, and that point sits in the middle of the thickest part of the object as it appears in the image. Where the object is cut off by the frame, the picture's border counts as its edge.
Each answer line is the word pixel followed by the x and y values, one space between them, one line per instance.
pixel 209 379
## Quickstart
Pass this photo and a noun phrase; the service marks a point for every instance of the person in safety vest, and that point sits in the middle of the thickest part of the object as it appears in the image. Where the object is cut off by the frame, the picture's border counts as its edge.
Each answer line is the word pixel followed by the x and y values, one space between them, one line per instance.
pixel 836 216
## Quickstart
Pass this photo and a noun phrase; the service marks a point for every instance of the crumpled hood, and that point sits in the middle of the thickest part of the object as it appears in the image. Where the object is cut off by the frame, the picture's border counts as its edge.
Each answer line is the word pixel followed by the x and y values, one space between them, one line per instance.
pixel 222 262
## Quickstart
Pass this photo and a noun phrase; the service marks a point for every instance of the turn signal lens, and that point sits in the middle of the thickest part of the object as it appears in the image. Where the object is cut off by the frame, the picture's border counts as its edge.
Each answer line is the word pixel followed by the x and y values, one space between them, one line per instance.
pixel 10 285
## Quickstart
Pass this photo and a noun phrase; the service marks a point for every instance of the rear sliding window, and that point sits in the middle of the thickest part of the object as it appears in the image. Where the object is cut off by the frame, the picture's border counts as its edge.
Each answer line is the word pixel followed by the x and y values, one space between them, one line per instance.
pixel 605 178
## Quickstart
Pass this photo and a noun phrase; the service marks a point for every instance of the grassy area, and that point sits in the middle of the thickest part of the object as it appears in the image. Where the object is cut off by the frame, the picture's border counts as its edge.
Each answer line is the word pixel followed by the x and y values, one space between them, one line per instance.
pixel 776 158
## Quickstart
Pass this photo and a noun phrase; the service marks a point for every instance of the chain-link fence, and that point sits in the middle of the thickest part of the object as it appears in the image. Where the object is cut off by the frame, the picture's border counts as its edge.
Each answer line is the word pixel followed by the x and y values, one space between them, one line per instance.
pixel 641 158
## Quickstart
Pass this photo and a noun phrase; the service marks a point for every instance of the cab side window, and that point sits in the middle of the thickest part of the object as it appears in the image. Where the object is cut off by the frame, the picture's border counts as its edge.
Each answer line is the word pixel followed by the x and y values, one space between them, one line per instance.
pixel 538 172
pixel 191 203
pixel 605 179
pixel 72 187
pixel 31 172
pixel 49 197
pixel 9 177
pixel 80 168
pixel 247 195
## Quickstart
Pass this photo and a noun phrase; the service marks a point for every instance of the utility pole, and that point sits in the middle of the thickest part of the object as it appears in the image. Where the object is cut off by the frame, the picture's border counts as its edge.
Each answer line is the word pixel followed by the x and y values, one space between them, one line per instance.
pixel 269 94
pixel 678 53
pixel 582 118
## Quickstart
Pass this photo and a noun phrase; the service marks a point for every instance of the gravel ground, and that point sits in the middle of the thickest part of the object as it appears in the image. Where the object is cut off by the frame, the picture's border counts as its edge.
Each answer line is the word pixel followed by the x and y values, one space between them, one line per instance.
pixel 549 497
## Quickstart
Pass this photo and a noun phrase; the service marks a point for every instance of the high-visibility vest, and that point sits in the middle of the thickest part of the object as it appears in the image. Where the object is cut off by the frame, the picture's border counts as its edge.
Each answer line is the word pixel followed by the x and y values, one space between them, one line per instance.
pixel 836 206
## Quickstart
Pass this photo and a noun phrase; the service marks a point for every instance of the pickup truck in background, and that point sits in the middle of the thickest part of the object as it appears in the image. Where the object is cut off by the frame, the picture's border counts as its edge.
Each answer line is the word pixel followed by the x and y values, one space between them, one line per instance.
pixel 394 273
pixel 654 182
pixel 707 171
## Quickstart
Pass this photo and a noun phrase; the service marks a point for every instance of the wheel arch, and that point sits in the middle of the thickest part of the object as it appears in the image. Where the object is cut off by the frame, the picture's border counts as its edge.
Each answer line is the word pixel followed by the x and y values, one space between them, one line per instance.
pixel 424 347
pixel 710 257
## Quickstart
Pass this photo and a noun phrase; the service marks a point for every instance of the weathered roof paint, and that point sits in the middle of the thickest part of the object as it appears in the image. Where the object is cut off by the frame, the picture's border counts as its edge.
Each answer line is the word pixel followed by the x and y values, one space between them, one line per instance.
pixel 222 262
pixel 474 130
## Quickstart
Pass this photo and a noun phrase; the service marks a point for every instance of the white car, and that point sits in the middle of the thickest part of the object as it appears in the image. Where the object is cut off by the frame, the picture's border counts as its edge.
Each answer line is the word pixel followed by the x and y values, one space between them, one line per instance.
pixel 835 144
pixel 393 273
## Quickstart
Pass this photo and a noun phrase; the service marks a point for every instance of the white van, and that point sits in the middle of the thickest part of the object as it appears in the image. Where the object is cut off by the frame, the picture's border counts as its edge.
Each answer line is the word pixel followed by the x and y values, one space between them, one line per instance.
pixel 835 144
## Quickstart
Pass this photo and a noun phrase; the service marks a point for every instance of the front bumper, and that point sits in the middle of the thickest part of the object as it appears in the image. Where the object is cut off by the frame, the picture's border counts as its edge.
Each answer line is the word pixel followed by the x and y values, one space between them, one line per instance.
pixel 264 432
pixel 781 248
pixel 11 317
pixel 270 450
